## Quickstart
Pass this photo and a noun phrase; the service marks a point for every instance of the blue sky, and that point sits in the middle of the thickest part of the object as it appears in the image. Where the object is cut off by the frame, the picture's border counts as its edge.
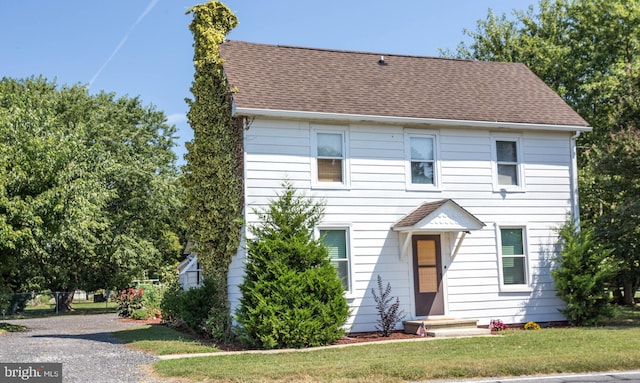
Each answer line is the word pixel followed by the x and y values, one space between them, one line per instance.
pixel 143 47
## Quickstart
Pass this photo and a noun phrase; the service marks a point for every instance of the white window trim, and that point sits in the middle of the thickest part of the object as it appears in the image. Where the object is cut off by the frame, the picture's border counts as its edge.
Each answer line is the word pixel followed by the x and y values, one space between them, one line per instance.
pixel 521 187
pixel 330 129
pixel 526 287
pixel 437 174
pixel 349 293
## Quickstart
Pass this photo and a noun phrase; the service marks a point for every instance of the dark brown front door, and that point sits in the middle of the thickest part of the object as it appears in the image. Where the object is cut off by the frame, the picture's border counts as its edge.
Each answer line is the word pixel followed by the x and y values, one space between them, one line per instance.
pixel 427 275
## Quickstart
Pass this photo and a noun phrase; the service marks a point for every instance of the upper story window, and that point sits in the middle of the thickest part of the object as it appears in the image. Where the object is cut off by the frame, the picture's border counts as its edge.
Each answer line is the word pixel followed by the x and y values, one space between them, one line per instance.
pixel 422 161
pixel 331 157
pixel 508 168
pixel 507 161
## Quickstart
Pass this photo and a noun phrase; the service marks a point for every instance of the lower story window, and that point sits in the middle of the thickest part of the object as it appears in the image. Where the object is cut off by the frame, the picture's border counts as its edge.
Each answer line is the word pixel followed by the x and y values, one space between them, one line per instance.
pixel 336 241
pixel 514 258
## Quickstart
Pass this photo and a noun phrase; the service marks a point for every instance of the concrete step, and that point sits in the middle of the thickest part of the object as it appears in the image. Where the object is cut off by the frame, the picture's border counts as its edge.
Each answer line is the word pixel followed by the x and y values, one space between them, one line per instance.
pixel 458 332
pixel 411 326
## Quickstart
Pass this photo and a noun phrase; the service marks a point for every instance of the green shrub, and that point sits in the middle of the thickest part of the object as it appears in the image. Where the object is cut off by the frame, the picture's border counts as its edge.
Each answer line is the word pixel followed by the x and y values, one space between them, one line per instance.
pixel 583 272
pixel 129 300
pixel 152 296
pixel 196 304
pixel 200 309
pixel 171 303
pixel 141 314
pixel 291 294
pixel 218 324
pixel 144 300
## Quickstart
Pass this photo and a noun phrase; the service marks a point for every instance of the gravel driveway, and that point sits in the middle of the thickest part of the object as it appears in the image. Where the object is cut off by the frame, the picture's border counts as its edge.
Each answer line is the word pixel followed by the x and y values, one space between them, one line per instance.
pixel 82 343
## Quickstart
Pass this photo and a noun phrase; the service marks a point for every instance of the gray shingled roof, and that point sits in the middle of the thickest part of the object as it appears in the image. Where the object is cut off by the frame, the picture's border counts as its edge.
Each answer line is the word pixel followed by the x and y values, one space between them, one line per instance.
pixel 344 82
pixel 419 213
pixel 424 210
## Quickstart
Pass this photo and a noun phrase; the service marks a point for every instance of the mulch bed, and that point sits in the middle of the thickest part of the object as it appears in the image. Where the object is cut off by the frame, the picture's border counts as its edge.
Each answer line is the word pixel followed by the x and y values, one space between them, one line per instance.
pixel 375 337
pixel 347 339
pixel 142 321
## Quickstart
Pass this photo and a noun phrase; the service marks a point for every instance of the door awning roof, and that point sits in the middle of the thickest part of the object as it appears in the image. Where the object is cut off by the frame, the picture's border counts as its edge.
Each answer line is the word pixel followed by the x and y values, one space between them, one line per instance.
pixel 439 216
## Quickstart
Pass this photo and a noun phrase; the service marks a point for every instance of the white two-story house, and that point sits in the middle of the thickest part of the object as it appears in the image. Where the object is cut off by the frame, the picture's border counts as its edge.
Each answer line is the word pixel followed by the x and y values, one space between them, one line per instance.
pixel 445 177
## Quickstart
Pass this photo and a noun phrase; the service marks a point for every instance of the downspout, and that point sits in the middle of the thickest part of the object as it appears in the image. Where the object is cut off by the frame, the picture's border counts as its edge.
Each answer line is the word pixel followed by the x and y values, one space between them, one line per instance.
pixel 575 208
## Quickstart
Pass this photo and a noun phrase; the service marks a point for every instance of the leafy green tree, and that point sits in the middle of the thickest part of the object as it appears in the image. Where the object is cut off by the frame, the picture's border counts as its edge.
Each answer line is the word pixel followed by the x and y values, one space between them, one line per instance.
pixel 586 50
pixel 613 187
pixel 88 188
pixel 291 294
pixel 585 268
pixel 213 173
pixel 589 52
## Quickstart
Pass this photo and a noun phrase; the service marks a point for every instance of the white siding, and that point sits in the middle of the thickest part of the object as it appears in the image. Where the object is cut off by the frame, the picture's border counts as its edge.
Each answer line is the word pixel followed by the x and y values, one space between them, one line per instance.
pixel 377 197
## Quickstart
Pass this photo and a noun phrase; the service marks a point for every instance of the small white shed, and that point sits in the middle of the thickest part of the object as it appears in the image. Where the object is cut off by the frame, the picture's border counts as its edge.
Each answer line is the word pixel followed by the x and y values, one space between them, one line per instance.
pixel 189 270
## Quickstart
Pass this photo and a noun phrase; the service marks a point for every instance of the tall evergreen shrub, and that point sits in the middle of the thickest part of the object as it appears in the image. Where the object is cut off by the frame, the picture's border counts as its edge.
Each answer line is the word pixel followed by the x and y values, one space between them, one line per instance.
pixel 584 270
pixel 291 294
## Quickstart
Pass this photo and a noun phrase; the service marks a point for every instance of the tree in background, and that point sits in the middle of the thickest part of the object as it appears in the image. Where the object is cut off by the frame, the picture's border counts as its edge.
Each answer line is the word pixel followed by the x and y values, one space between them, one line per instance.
pixel 291 295
pixel 588 51
pixel 88 189
pixel 613 204
pixel 213 173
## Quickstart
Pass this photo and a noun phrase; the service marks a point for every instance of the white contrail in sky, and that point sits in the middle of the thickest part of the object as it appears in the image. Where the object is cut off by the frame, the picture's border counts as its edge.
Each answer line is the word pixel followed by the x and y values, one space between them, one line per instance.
pixel 124 39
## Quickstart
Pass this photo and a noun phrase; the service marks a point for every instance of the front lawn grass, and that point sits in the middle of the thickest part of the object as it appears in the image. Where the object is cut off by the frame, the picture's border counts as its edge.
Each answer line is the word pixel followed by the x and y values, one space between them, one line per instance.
pixel 557 350
pixel 161 340
pixel 79 308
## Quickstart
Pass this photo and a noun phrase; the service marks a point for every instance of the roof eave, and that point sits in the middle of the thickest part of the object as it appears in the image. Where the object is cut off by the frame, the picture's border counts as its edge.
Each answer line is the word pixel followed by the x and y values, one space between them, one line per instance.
pixel 297 114
pixel 413 229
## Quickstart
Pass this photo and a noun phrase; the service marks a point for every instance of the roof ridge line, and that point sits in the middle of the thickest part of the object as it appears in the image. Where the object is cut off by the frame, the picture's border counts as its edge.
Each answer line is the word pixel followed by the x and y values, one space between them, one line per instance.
pixel 363 52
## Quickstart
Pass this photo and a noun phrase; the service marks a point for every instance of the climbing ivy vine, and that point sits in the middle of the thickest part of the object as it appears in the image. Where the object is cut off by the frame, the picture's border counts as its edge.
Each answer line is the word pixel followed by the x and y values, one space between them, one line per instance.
pixel 213 172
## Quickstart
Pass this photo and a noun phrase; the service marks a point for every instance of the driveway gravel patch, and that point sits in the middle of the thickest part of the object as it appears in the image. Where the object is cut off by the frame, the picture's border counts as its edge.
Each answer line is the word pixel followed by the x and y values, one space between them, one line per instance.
pixel 84 346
